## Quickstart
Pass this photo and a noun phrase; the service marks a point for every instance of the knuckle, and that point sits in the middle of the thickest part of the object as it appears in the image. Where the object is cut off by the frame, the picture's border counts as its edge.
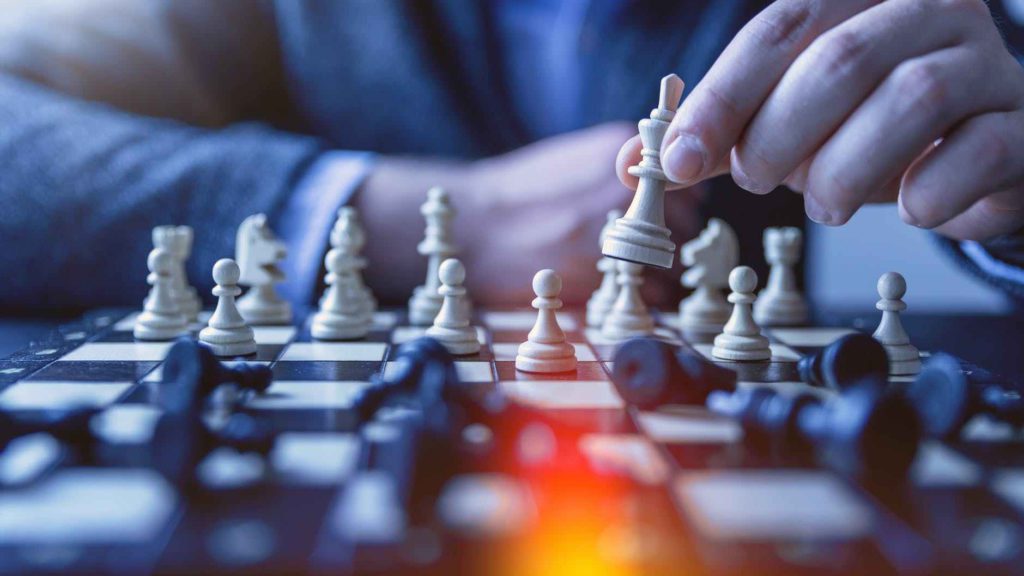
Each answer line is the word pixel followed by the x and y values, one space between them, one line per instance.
pixel 920 87
pixel 840 52
pixel 994 151
pixel 785 24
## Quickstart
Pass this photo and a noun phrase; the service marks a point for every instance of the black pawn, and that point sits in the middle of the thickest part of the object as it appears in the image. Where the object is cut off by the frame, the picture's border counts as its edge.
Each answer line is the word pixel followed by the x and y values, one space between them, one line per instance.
pixel 649 373
pixel 946 398
pixel 852 358
pixel 192 372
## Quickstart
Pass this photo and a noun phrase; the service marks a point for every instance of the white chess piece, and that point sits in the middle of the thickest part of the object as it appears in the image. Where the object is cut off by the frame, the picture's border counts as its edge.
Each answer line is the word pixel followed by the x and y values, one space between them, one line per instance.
pixel 545 349
pixel 641 235
pixel 741 339
pixel 603 298
pixel 348 217
pixel 342 314
pixel 437 246
pixel 178 241
pixel 451 326
pixel 227 333
pixel 258 251
pixel 161 318
pixel 629 316
pixel 904 358
pixel 780 303
pixel 710 257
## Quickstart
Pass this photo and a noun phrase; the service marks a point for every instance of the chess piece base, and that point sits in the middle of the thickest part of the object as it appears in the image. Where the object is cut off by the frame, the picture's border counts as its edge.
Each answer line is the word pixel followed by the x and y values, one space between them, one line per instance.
pixel 622 327
pixel 150 326
pixel 546 358
pixel 458 341
pixel 597 310
pixel 337 327
pixel 904 360
pixel 423 307
pixel 262 312
pixel 229 343
pixel 741 348
pixel 780 310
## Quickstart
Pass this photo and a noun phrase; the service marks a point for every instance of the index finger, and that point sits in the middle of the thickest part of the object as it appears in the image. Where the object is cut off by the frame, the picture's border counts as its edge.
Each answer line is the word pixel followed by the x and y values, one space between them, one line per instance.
pixel 711 120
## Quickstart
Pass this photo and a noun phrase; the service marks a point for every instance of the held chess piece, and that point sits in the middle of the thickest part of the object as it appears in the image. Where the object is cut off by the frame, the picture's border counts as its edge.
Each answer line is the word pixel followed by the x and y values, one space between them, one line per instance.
pixel 348 228
pixel 178 241
pixel 780 303
pixel 641 236
pixel 650 373
pixel 545 349
pixel 629 316
pixel 602 300
pixel 161 318
pixel 451 326
pixel 710 258
pixel 258 252
pixel 227 333
pixel 741 339
pixel 342 314
pixel 437 246
pixel 903 356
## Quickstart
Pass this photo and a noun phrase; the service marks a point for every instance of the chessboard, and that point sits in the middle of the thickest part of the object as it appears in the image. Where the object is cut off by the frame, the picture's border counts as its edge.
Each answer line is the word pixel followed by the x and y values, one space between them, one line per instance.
pixel 672 490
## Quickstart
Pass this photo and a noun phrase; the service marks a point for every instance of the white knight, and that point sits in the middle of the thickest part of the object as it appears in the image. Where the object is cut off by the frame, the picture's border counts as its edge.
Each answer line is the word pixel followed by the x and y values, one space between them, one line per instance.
pixel 710 257
pixel 258 252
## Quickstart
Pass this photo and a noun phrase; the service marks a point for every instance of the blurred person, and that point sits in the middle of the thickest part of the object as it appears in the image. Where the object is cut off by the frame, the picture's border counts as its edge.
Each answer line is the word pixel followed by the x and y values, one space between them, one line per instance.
pixel 120 115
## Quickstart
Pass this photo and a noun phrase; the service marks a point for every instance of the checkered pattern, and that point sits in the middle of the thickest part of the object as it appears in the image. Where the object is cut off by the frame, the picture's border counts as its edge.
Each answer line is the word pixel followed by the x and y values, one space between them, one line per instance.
pixel 693 480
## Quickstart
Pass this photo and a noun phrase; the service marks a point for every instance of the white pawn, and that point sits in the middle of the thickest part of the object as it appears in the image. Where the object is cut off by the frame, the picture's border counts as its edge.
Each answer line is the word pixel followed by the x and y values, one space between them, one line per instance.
pixel 162 317
pixel 741 339
pixel 545 349
pixel 629 316
pixel 348 226
pixel 342 314
pixel 780 303
pixel 904 358
pixel 227 333
pixel 437 245
pixel 602 300
pixel 451 326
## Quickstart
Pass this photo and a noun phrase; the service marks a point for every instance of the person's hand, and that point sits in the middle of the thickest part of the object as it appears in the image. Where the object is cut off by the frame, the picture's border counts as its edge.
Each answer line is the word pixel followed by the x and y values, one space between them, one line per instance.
pixel 541 206
pixel 863 101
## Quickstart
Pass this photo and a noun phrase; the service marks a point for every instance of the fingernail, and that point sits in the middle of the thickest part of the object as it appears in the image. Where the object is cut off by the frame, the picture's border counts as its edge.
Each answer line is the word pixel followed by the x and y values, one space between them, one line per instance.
pixel 746 182
pixel 815 211
pixel 905 215
pixel 684 158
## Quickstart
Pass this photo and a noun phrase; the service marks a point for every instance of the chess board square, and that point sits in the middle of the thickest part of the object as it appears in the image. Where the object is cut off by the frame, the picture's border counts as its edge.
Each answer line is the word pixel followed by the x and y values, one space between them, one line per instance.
pixel 938 465
pixel 814 337
pixel 315 458
pixel 595 337
pixel 93 371
pixel 361 371
pixel 689 425
pixel 780 353
pixel 490 504
pixel 40 395
pixel 506 352
pixel 115 352
pixel 467 371
pixel 274 334
pixel 334 351
pixel 157 375
pixel 403 334
pixel 563 394
pixel 88 506
pixel 126 324
pixel 25 458
pixel 520 320
pixel 769 505
pixel 312 394
pixel 127 423
pixel 1009 485
pixel 630 455
pixel 983 428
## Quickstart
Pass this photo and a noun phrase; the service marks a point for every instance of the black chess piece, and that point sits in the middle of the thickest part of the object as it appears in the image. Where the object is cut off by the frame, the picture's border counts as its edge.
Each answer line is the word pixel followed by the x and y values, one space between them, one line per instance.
pixel 864 432
pixel 947 397
pixel 194 363
pixel 423 370
pixel 649 373
pixel 849 359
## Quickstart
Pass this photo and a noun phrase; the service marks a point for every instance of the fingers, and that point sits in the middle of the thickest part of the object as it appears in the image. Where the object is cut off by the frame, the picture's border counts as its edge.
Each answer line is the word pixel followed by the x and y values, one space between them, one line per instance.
pixel 913 107
pixel 999 213
pixel 629 155
pixel 829 80
pixel 977 159
pixel 711 120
